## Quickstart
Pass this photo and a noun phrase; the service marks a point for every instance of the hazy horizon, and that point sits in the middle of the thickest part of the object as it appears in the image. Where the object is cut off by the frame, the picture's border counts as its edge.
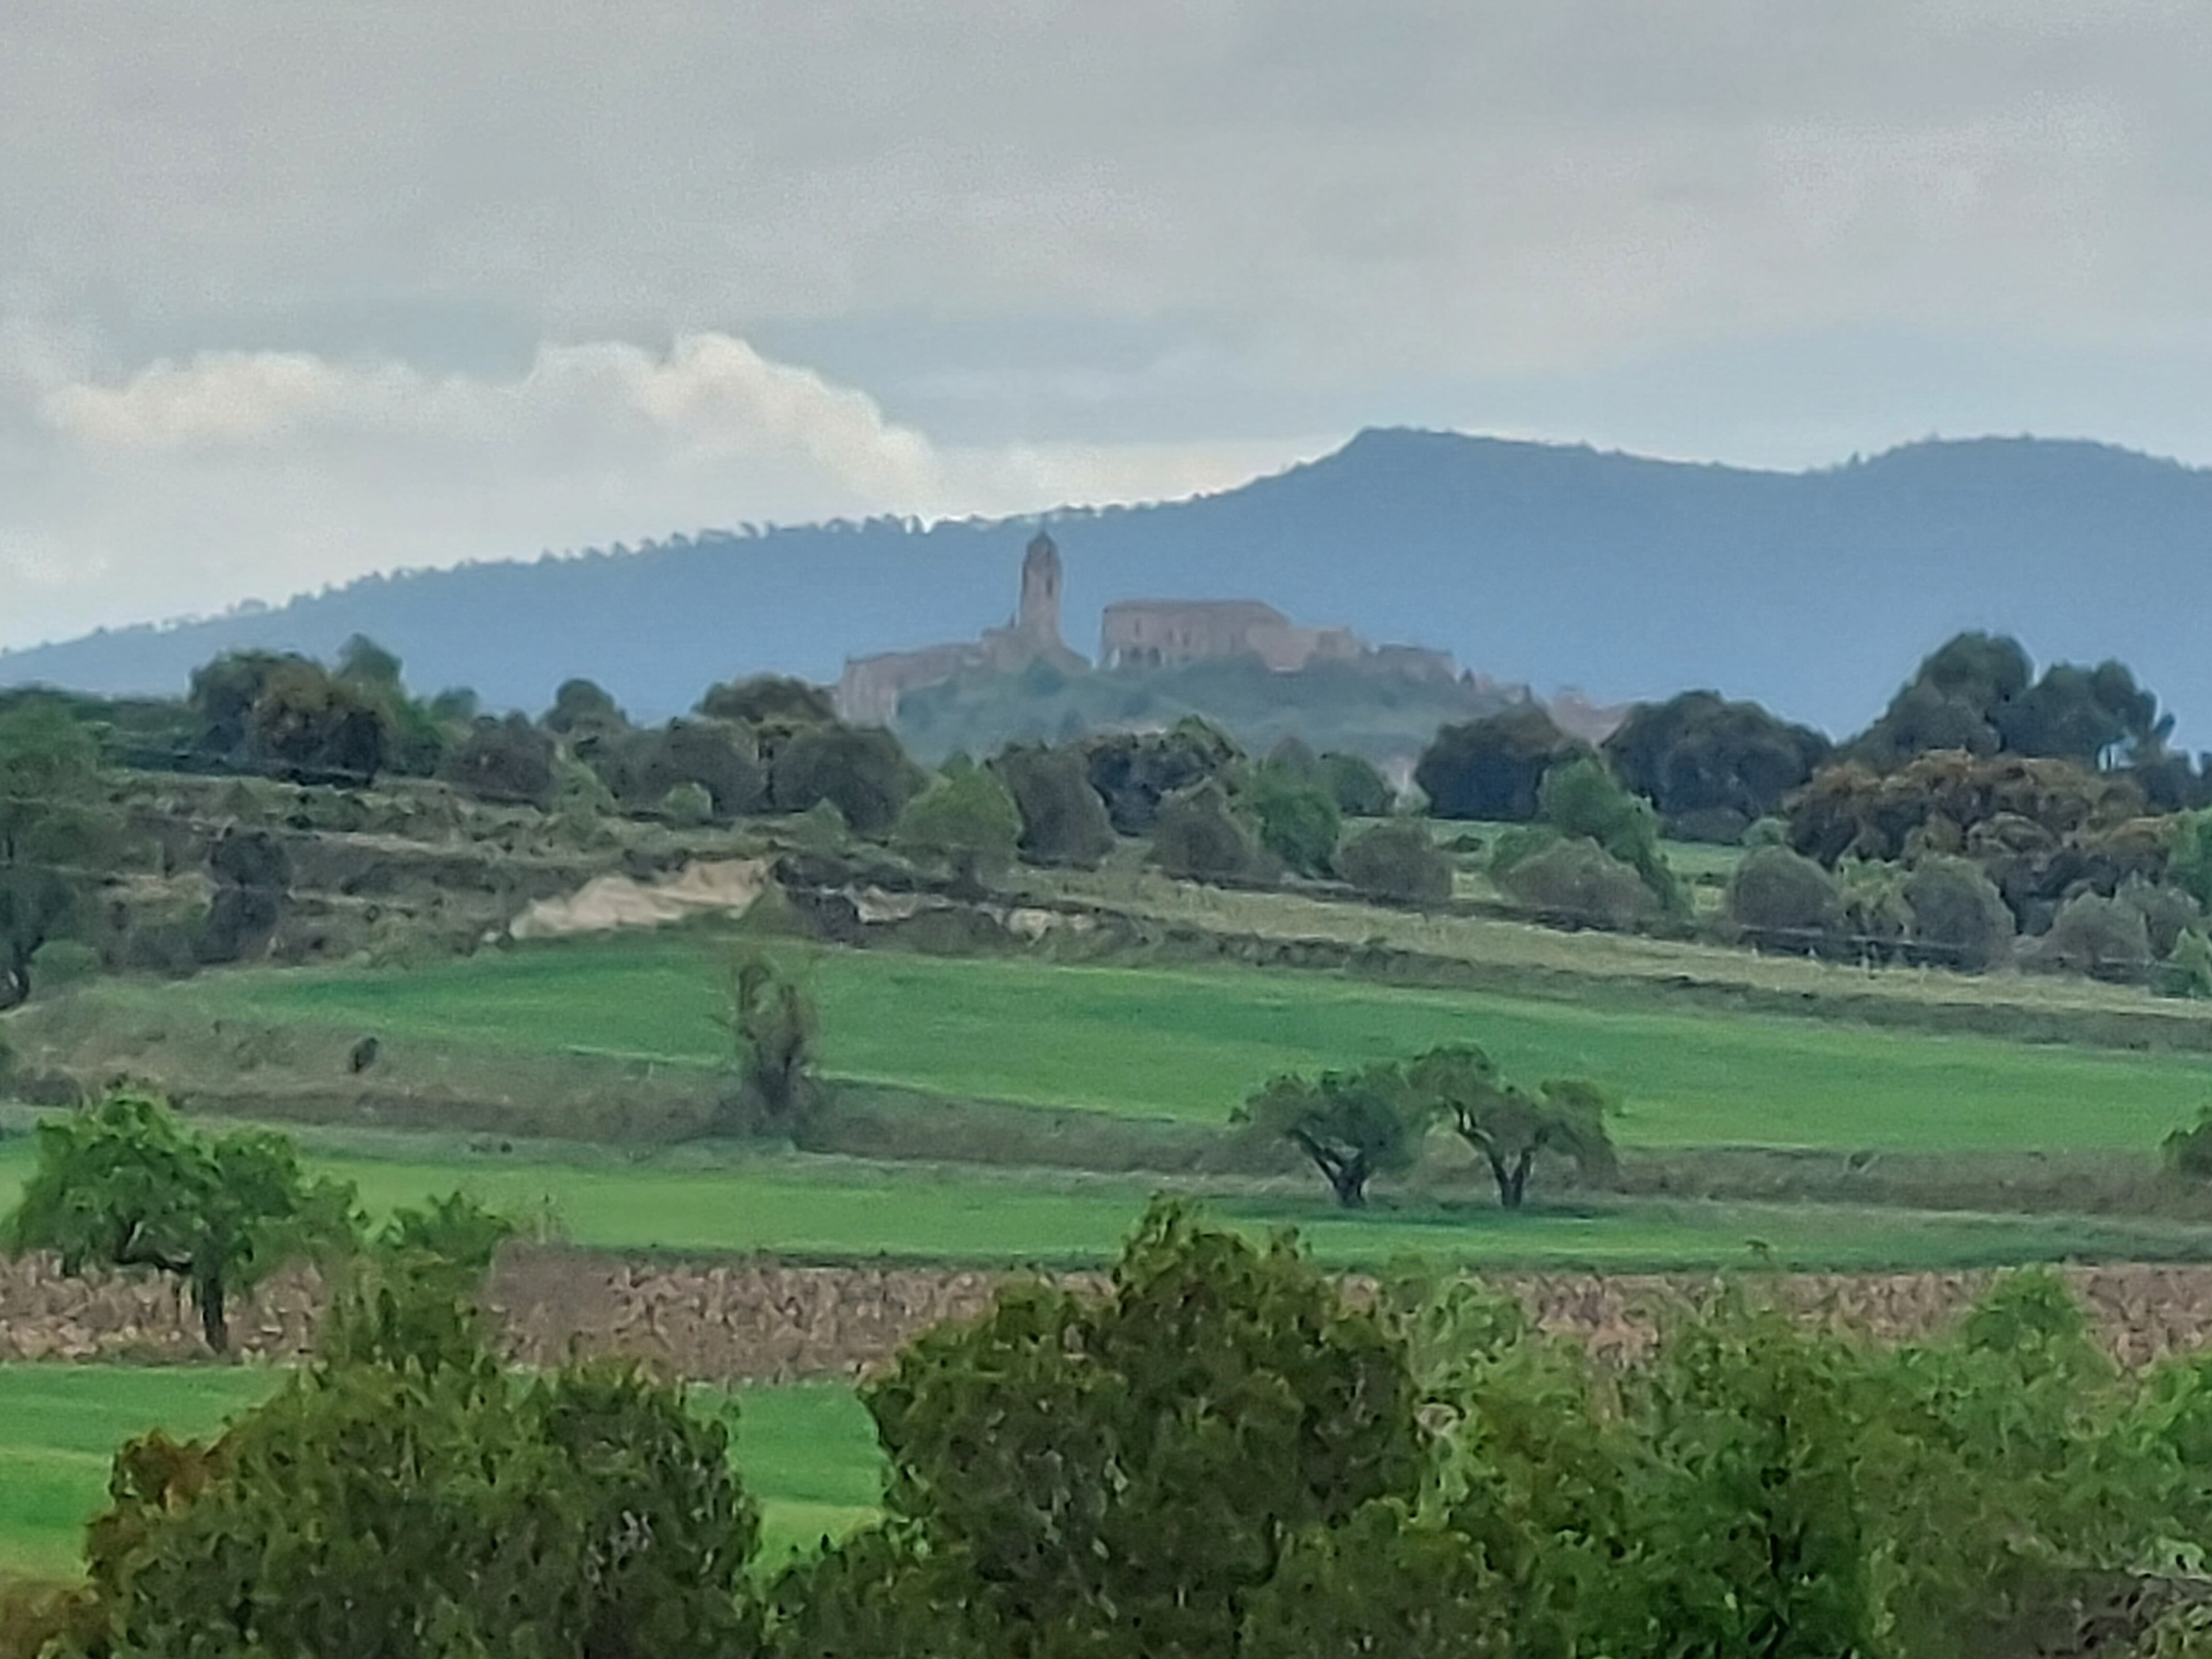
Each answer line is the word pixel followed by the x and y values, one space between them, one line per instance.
pixel 290 292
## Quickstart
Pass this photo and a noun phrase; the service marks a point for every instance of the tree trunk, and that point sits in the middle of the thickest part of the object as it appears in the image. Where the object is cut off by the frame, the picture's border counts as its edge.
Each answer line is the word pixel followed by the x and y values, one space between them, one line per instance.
pixel 1517 1185
pixel 215 1324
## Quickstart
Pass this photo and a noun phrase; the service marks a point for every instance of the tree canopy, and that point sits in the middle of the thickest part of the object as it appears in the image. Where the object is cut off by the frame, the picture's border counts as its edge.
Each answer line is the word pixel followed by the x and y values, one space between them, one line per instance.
pixel 1352 1125
pixel 125 1183
pixel 1712 767
pixel 1510 1127
pixel 1493 767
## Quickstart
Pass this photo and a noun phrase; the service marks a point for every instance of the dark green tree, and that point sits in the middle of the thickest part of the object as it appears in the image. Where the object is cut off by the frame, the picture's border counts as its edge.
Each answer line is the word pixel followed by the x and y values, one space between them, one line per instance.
pixel 1136 773
pixel 768 700
pixel 1713 768
pixel 1959 918
pixel 407 1495
pixel 126 1184
pixel 585 714
pixel 1063 820
pixel 1352 1126
pixel 1493 767
pixel 863 773
pixel 1510 1127
pixel 1126 1473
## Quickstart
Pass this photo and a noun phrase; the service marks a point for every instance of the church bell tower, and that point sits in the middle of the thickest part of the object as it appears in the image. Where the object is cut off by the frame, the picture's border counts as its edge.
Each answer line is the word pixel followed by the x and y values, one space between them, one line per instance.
pixel 1039 618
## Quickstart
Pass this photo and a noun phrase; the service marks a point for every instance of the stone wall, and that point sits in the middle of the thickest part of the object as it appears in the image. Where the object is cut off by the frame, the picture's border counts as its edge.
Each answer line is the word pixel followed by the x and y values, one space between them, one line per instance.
pixel 742 1319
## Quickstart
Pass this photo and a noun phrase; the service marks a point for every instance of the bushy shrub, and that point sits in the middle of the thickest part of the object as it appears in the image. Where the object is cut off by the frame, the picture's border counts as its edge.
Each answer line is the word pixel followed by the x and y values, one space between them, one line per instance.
pixel 508 760
pixel 2167 912
pixel 967 817
pixel 2105 938
pixel 1198 837
pixel 1299 822
pixel 1580 797
pixel 62 963
pixel 688 806
pixel 1137 773
pixel 2189 1151
pixel 1579 881
pixel 1398 861
pixel 1360 791
pixel 1781 901
pixel 1958 917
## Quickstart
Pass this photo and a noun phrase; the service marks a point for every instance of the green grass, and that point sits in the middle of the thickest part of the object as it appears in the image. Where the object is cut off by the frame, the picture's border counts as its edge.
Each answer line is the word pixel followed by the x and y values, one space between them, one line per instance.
pixel 1189 1044
pixel 836 1209
pixel 807 1452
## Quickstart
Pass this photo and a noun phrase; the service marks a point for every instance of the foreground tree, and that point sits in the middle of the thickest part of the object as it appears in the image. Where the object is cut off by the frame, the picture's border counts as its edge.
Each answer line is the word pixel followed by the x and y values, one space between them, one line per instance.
pixel 1353 1126
pixel 407 1495
pixel 1149 1455
pixel 1509 1126
pixel 126 1184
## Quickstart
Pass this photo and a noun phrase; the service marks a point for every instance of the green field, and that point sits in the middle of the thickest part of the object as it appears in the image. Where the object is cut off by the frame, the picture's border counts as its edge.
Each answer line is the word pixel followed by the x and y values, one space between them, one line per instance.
pixel 807 1452
pixel 839 1209
pixel 1190 1045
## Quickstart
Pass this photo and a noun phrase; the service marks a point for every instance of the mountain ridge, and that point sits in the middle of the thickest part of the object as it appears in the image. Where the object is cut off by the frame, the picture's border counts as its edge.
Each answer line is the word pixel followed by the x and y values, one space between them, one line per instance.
pixel 1815 591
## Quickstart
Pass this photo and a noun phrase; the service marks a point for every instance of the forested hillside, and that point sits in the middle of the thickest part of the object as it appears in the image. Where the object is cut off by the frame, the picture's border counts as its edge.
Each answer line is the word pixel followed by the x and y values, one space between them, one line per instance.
pixel 1813 593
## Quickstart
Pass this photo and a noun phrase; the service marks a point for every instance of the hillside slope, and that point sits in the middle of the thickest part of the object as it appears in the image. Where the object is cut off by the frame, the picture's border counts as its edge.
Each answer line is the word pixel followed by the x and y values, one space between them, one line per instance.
pixel 1815 591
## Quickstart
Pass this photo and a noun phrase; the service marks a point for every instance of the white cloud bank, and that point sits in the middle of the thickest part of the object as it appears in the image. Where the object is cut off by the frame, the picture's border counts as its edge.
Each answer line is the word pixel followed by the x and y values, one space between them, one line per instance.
pixel 195 483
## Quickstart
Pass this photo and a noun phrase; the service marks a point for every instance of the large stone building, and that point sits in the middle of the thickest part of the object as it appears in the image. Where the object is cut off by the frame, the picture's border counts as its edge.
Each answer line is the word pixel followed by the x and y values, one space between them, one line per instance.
pixel 869 690
pixel 1166 633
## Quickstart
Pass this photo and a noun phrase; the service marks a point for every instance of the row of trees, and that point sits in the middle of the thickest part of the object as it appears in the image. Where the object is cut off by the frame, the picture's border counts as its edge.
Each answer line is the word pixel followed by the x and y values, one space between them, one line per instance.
pixel 1218 1457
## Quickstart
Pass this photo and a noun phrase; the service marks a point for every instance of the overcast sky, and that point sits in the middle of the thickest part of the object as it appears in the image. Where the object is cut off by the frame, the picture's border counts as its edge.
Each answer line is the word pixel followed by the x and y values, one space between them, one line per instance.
pixel 294 288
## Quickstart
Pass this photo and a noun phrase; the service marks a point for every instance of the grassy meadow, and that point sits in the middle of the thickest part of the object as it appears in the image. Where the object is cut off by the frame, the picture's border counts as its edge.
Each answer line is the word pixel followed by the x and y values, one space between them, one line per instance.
pixel 807 1450
pixel 1189 1044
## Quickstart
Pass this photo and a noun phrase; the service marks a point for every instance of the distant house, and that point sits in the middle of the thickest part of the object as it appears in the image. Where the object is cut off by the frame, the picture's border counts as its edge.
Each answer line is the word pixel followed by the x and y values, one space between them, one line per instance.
pixel 869 690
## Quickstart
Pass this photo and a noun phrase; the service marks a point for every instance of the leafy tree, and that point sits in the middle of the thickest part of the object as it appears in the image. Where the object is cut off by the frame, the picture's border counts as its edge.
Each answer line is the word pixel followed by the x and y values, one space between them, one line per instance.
pixel 1360 791
pixel 864 773
pixel 302 722
pixel 1063 820
pixel 1353 1126
pixel 967 818
pixel 1397 861
pixel 1392 1580
pixel 1712 767
pixel 1299 822
pixel 367 666
pixel 506 760
pixel 1508 1126
pixel 55 829
pixel 1198 837
pixel 456 1236
pixel 1137 773
pixel 126 1184
pixel 1491 768
pixel 1580 797
pixel 406 1495
pixel 1958 917
pixel 1149 1454
pixel 1782 901
pixel 775 1024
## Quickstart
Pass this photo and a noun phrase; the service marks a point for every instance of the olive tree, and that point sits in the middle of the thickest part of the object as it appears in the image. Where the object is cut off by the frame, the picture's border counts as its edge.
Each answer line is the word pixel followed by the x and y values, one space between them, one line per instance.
pixel 126 1183
pixel 1508 1125
pixel 1353 1126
